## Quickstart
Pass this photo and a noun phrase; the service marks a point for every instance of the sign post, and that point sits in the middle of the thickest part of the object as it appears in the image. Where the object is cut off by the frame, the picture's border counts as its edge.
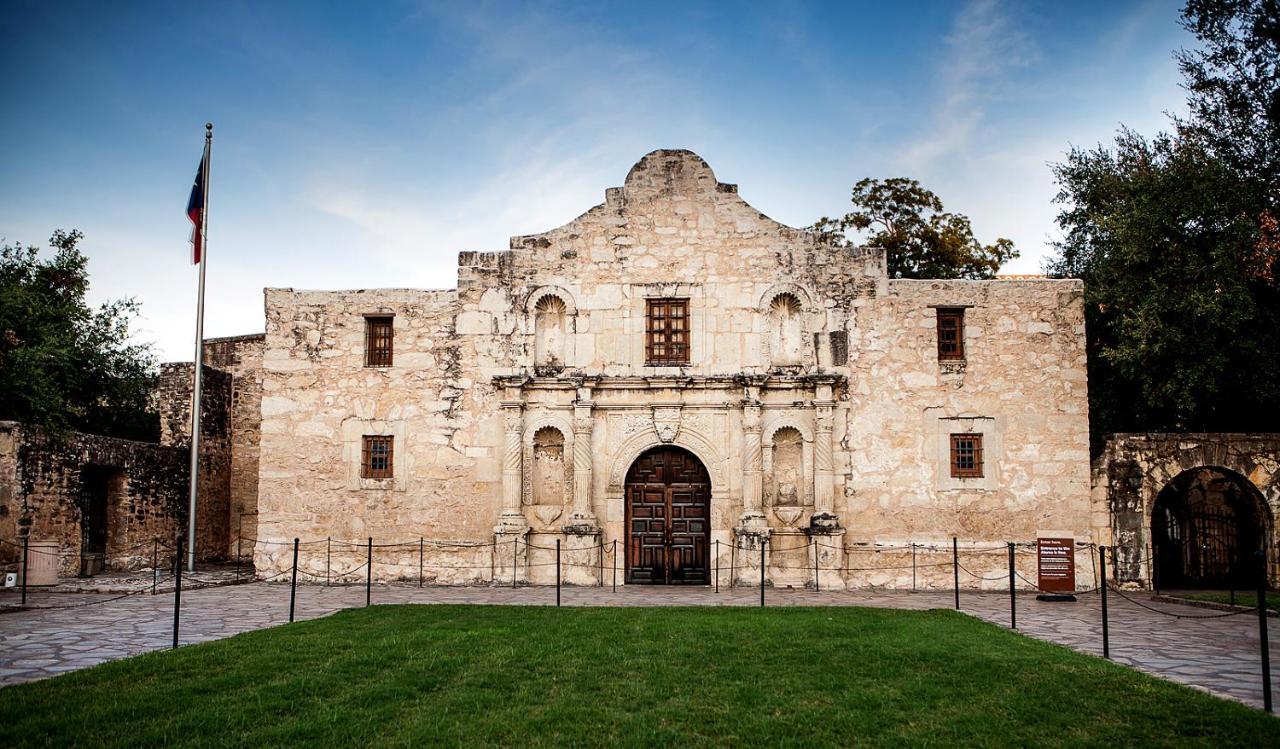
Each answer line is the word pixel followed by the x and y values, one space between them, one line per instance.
pixel 1056 564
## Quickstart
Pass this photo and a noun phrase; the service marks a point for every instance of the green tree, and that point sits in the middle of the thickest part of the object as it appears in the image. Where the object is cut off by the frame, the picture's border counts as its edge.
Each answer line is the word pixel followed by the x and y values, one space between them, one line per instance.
pixel 1233 85
pixel 919 238
pixel 1177 241
pixel 1180 298
pixel 64 365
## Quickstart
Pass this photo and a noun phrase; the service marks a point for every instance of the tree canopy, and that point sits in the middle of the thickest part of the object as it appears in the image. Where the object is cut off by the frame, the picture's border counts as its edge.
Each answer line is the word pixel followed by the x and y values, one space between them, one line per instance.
pixel 919 238
pixel 1233 85
pixel 1176 239
pixel 64 365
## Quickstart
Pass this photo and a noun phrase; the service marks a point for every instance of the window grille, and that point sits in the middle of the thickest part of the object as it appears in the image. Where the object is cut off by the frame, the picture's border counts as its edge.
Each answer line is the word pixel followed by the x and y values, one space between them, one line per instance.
pixel 950 333
pixel 376 457
pixel 667 331
pixel 966 456
pixel 378 339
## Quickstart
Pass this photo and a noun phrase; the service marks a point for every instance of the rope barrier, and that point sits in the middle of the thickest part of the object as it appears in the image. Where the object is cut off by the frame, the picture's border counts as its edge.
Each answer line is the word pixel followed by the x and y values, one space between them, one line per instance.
pixel 144 589
pixel 1117 591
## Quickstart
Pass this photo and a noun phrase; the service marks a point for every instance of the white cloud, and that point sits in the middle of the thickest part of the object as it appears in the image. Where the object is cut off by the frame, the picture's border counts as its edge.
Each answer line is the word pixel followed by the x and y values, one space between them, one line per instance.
pixel 984 46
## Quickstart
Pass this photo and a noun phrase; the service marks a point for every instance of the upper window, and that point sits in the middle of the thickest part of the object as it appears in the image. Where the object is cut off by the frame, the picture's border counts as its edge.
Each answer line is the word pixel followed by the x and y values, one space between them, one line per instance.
pixel 966 456
pixel 667 331
pixel 950 333
pixel 377 341
pixel 375 457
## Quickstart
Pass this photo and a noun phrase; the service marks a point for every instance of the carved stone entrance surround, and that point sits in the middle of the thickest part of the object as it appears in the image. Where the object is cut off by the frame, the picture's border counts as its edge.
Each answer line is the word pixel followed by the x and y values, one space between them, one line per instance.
pixel 719 419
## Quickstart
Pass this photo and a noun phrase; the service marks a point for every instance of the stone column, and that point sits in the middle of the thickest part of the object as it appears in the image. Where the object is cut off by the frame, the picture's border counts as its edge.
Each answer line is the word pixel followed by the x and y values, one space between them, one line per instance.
pixel 582 455
pixel 824 515
pixel 824 526
pixel 582 534
pixel 512 516
pixel 511 550
pixel 752 476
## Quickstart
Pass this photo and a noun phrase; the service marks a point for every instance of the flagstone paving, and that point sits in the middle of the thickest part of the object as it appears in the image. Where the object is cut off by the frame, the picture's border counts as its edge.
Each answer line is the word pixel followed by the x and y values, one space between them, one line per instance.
pixel 1201 649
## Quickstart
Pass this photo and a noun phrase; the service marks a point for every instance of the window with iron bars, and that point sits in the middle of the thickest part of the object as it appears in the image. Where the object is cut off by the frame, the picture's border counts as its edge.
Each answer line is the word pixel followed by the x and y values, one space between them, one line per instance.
pixel 950 333
pixel 378 341
pixel 376 457
pixel 966 456
pixel 666 331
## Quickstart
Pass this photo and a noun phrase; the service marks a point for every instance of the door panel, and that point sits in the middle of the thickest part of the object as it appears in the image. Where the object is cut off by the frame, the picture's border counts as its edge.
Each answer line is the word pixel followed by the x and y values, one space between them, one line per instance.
pixel 668 495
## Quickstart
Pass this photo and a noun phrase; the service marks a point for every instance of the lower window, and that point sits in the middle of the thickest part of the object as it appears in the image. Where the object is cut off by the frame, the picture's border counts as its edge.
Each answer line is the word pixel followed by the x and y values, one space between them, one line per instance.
pixel 966 456
pixel 375 457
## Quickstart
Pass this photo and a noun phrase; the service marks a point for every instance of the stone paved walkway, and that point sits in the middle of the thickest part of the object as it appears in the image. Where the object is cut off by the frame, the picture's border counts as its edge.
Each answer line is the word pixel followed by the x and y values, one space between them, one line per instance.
pixel 1219 655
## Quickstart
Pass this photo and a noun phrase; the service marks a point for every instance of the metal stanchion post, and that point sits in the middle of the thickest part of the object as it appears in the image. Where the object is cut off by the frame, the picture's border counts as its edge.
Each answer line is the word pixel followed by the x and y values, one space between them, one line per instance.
pixel 368 577
pixel 422 551
pixel 1263 644
pixel 615 565
pixel 155 564
pixel 515 551
pixel 26 551
pixel 177 587
pixel 557 572
pixel 293 582
pixel 717 561
pixel 328 559
pixel 493 561
pixel 1013 595
pixel 763 541
pixel 955 568
pixel 1106 635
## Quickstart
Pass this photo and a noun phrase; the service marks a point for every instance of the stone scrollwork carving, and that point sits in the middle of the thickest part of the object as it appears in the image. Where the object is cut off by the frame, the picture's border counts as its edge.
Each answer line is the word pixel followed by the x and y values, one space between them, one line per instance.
pixel 666 422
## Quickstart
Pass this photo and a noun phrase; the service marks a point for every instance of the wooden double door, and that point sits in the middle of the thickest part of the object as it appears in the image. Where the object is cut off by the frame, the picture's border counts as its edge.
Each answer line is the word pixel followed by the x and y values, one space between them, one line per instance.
pixel 668 496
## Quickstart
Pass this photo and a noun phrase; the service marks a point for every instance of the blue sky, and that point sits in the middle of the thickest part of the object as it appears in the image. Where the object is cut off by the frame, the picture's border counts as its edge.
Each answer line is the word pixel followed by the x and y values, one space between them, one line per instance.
pixel 366 144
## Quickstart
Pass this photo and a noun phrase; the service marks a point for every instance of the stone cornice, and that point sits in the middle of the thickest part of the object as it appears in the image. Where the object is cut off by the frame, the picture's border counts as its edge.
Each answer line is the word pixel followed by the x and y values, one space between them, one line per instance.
pixel 671 382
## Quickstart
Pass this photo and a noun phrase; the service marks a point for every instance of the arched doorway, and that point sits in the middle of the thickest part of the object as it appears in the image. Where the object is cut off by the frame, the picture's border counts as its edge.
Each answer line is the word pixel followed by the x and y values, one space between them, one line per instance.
pixel 1207 526
pixel 668 500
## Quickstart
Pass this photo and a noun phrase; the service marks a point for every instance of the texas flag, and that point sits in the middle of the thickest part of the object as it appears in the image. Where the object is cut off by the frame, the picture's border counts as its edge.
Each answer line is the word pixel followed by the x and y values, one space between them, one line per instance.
pixel 195 212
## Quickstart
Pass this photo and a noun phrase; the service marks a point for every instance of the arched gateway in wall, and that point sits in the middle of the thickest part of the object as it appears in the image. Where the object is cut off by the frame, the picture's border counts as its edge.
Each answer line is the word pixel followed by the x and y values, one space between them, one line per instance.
pixel 1208 527
pixel 668 518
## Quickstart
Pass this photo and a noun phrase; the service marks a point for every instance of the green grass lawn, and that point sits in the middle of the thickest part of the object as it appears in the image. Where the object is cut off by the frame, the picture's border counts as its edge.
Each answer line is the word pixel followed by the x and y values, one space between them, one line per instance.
pixel 1222 596
pixel 521 676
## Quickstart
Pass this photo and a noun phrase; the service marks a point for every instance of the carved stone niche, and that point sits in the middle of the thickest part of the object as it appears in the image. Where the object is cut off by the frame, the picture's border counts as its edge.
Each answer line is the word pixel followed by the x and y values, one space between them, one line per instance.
pixel 551 332
pixel 787 471
pixel 549 480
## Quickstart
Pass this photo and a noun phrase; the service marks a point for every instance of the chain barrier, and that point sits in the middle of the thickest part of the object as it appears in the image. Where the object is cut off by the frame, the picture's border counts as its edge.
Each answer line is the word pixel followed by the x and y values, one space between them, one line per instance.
pixel 1119 592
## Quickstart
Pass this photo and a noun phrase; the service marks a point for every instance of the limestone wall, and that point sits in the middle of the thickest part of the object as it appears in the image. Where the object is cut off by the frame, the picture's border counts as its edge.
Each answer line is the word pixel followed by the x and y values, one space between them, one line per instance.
pixel 43 491
pixel 241 358
pixel 229 425
pixel 1134 468
pixel 813 396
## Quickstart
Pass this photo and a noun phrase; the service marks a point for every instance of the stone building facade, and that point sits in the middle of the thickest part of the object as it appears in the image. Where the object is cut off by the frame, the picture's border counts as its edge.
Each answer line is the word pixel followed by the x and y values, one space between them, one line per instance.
pixel 675 379
pixel 670 388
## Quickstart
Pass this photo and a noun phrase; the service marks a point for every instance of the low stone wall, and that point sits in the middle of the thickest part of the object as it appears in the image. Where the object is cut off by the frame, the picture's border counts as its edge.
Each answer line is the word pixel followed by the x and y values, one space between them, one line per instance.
pixel 890 565
pixel 48 483
pixel 1133 468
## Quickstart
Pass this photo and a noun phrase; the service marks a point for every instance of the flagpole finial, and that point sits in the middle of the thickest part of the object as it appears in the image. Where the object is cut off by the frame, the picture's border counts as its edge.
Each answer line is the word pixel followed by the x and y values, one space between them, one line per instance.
pixel 208 126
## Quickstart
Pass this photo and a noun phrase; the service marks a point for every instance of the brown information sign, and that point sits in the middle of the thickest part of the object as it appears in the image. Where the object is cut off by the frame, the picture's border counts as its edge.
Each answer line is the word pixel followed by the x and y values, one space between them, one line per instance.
pixel 1057 563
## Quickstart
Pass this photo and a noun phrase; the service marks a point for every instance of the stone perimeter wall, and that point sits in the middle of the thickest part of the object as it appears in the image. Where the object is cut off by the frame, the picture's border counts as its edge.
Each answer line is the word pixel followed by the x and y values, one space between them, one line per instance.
pixel 1132 469
pixel 859 392
pixel 43 494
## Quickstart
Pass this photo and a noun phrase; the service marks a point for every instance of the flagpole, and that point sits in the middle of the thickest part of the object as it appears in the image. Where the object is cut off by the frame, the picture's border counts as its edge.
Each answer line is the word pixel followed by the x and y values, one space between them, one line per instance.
pixel 196 401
